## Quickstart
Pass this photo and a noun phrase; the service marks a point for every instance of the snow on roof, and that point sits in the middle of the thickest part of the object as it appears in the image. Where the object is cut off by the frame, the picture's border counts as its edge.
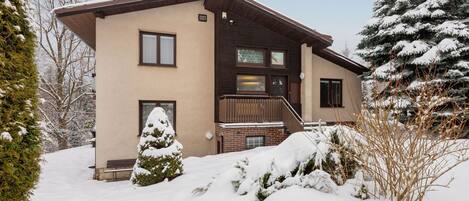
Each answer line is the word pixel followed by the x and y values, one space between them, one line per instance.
pixel 81 4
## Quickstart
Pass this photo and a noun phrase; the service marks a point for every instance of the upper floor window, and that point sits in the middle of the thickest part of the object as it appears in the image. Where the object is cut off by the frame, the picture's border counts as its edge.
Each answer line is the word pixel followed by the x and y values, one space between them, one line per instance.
pixel 248 56
pixel 258 57
pixel 277 58
pixel 331 93
pixel 157 49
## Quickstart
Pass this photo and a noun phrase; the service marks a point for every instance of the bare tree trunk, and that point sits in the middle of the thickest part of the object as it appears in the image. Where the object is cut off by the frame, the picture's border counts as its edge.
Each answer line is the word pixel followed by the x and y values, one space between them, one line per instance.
pixel 66 79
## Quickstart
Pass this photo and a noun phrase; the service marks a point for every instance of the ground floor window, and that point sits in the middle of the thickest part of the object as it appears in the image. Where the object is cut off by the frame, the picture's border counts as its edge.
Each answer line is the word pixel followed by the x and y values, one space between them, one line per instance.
pixel 251 83
pixel 145 108
pixel 256 141
pixel 331 93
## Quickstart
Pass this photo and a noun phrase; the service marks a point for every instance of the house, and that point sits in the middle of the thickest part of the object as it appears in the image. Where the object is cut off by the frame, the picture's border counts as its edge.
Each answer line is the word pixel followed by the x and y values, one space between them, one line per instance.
pixel 231 74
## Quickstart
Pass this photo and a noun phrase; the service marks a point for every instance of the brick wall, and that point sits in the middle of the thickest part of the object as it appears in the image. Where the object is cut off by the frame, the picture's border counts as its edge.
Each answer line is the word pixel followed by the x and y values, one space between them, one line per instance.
pixel 234 139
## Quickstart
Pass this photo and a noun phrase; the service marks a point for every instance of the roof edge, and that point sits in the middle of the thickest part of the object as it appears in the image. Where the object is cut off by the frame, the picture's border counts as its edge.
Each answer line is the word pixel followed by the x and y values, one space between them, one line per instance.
pixel 341 60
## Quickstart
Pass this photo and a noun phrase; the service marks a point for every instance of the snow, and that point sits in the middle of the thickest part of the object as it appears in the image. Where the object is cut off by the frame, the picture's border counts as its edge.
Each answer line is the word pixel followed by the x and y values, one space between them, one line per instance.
pixel 453 28
pixel 21 37
pixel 448 44
pixel 65 176
pixel 6 136
pixel 415 47
pixel 173 149
pixel 384 70
pixel 22 131
pixel 301 194
pixel 389 20
pixel 9 5
pixel 17 28
pixel 430 57
pixel 82 4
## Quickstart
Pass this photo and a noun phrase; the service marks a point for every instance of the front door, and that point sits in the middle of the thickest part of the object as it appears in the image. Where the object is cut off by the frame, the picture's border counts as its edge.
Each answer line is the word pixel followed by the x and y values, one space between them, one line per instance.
pixel 279 86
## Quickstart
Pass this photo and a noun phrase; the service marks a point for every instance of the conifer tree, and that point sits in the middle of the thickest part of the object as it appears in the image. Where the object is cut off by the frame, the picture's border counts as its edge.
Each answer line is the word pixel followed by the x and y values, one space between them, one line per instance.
pixel 409 40
pixel 19 134
pixel 159 154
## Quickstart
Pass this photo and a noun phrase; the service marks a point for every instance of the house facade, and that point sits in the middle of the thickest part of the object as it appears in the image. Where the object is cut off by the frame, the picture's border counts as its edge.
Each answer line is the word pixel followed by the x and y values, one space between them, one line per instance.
pixel 231 74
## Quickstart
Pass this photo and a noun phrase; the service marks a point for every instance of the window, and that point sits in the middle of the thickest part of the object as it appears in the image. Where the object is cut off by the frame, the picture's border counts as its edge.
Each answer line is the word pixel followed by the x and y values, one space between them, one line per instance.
pixel 247 56
pixel 157 49
pixel 253 142
pixel 331 93
pixel 250 83
pixel 146 107
pixel 277 58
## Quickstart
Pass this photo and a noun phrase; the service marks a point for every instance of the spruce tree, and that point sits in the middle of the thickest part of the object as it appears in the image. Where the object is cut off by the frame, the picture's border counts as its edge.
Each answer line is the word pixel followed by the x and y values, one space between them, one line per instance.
pixel 159 154
pixel 19 134
pixel 408 40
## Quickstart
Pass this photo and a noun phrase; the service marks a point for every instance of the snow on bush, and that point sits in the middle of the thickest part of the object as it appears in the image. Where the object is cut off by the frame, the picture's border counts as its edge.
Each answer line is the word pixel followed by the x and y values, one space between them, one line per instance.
pixel 159 154
pixel 318 160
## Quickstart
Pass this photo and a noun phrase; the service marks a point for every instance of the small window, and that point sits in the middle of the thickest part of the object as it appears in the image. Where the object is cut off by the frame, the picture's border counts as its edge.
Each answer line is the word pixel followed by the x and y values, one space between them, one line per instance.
pixel 157 49
pixel 251 83
pixel 277 58
pixel 246 56
pixel 331 93
pixel 147 106
pixel 253 142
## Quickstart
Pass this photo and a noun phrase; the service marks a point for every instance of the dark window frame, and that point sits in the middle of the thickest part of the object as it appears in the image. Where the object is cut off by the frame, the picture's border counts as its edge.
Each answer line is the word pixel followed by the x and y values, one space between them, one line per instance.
pixel 158 49
pixel 243 64
pixel 254 136
pixel 285 59
pixel 267 63
pixel 266 90
pixel 158 103
pixel 329 103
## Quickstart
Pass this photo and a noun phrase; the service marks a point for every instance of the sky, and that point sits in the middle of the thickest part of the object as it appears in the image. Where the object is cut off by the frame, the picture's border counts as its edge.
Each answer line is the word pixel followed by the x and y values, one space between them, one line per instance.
pixel 342 19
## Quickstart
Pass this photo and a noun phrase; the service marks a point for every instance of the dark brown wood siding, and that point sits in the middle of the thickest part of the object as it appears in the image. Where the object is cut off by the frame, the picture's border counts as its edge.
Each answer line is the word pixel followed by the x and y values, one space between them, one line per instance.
pixel 245 33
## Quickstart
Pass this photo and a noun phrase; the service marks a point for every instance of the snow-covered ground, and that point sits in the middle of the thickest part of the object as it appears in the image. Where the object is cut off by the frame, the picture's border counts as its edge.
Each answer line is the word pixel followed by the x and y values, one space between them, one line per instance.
pixel 66 176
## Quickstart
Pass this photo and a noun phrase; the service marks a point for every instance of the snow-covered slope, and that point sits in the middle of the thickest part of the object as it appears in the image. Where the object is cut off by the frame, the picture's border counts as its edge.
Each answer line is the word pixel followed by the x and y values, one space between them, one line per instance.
pixel 66 176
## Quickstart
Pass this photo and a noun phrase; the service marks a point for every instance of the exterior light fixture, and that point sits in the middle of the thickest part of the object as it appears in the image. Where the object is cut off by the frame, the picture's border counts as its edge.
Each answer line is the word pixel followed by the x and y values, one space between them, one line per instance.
pixel 302 76
pixel 224 15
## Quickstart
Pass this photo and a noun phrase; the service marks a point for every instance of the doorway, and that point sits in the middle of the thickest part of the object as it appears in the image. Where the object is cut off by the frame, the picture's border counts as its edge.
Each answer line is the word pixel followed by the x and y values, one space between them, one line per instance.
pixel 279 86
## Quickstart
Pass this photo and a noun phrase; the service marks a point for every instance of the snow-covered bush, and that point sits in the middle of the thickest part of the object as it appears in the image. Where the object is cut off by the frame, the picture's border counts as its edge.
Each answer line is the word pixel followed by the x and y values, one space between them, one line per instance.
pixel 318 160
pixel 159 154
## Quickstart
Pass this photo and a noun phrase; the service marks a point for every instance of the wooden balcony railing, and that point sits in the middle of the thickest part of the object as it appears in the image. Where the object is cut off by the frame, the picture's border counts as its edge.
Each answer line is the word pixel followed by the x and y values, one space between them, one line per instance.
pixel 259 109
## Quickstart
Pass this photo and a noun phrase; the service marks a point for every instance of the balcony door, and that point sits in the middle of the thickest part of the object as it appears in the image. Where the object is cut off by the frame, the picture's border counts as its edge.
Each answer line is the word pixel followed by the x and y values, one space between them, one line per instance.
pixel 279 86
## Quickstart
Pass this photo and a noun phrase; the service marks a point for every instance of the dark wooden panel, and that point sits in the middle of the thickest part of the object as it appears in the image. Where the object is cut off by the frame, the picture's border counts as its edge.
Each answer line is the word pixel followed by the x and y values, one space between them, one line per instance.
pixel 243 32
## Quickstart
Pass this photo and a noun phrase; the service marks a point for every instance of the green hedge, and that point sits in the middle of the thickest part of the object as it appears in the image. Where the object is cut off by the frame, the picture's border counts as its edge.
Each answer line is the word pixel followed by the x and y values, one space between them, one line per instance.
pixel 19 155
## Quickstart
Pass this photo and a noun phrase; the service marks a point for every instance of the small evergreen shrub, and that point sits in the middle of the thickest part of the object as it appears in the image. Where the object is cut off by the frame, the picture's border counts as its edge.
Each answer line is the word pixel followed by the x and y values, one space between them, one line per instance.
pixel 19 134
pixel 159 154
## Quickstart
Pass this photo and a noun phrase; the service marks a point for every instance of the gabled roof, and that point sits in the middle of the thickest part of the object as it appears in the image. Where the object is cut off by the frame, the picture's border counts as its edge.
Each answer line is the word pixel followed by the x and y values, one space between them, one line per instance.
pixel 271 19
pixel 81 19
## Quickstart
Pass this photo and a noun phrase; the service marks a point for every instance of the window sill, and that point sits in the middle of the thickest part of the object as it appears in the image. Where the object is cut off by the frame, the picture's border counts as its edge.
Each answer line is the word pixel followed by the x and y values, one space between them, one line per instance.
pixel 157 65
pixel 329 107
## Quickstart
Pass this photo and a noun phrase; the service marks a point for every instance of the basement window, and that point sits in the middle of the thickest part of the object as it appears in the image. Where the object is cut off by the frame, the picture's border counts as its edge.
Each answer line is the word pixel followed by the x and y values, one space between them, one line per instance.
pixel 255 141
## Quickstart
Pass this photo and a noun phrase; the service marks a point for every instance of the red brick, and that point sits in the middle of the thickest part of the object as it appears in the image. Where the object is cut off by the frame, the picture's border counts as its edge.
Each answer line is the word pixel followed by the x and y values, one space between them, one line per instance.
pixel 234 139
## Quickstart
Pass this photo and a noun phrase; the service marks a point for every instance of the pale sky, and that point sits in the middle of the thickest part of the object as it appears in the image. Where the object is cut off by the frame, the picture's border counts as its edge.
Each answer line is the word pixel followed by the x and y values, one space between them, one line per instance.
pixel 342 19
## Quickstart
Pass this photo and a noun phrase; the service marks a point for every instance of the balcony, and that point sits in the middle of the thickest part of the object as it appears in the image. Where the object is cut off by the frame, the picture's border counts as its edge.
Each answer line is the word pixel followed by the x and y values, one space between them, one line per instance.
pixel 259 109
